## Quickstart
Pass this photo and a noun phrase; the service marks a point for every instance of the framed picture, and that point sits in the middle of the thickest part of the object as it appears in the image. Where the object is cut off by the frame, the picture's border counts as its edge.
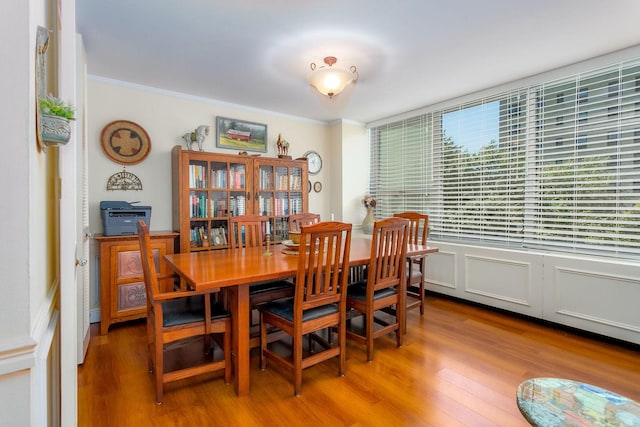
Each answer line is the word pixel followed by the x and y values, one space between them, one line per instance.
pixel 241 135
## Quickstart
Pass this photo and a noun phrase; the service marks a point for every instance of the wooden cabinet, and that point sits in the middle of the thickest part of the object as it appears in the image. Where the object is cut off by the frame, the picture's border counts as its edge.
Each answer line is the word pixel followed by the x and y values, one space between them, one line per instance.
pixel 122 292
pixel 210 188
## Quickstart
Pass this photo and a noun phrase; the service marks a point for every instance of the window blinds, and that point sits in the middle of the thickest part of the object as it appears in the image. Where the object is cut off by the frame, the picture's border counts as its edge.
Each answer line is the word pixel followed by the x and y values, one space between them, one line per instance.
pixel 400 170
pixel 554 165
pixel 587 190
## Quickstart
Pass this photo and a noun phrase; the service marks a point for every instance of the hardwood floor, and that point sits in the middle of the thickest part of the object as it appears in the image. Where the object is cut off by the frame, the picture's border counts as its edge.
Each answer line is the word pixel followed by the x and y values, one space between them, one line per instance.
pixel 460 366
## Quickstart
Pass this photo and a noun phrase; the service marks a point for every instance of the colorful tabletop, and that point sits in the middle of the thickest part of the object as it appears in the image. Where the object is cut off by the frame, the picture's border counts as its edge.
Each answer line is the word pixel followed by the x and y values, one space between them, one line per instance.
pixel 552 402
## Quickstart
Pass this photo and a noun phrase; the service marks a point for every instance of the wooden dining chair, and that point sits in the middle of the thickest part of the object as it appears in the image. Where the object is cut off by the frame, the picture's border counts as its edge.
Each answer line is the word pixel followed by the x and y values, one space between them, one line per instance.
pixel 247 231
pixel 177 315
pixel 380 290
pixel 317 306
pixel 298 220
pixel 418 230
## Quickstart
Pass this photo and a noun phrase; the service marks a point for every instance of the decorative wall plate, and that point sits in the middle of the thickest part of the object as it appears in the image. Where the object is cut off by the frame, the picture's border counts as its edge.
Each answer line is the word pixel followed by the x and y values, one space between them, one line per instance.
pixel 125 142
pixel 124 181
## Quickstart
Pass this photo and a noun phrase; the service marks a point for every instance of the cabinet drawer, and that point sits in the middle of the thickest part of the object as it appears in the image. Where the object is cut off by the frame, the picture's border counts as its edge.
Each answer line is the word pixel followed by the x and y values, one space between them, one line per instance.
pixel 131 295
pixel 129 264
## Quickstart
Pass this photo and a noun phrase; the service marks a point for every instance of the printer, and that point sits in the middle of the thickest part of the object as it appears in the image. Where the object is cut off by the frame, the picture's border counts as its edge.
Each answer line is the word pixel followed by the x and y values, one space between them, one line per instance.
pixel 121 218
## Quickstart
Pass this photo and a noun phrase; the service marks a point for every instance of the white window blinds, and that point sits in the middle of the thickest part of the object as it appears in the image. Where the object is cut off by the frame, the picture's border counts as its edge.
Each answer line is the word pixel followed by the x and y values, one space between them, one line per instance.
pixel 400 172
pixel 554 165
pixel 479 164
pixel 586 195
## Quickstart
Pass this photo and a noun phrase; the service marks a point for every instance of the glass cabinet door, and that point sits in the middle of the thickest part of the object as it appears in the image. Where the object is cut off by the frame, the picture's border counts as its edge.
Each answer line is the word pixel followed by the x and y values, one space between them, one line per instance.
pixel 211 188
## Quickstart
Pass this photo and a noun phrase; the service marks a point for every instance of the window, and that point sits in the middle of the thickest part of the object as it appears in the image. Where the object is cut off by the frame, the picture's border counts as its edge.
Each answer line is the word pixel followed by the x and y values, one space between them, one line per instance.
pixel 583 95
pixel 479 159
pixel 524 168
pixel 582 116
pixel 401 175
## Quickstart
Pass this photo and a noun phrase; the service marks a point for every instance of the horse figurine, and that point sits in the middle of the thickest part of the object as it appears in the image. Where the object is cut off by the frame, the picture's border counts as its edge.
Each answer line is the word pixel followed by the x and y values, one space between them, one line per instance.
pixel 198 135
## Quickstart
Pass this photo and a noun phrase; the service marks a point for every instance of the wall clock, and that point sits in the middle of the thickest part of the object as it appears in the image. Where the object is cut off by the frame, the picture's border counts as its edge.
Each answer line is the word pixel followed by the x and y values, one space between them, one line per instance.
pixel 125 142
pixel 315 161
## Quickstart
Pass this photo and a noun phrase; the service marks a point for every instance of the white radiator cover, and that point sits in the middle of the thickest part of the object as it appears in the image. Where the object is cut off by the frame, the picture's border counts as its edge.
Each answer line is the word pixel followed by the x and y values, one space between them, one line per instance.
pixel 595 294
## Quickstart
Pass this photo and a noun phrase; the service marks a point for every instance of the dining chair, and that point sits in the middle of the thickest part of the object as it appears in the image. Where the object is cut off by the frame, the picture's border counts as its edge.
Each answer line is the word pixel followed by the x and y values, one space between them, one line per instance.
pixel 174 316
pixel 418 229
pixel 298 220
pixel 385 273
pixel 247 231
pixel 317 306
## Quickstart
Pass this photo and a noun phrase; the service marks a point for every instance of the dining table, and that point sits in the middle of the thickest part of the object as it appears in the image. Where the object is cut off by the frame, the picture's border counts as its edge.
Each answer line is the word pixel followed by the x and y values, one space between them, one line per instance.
pixel 236 269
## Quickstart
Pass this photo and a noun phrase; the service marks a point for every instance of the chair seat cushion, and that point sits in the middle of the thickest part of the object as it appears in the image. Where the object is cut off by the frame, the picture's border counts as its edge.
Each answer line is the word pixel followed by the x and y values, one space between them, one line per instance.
pixel 180 311
pixel 284 308
pixel 265 287
pixel 359 291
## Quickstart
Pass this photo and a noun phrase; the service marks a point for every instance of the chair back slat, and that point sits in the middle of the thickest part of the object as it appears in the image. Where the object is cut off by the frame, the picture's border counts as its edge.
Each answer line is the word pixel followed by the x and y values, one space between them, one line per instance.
pixel 388 253
pixel 298 220
pixel 254 227
pixel 418 226
pixel 321 278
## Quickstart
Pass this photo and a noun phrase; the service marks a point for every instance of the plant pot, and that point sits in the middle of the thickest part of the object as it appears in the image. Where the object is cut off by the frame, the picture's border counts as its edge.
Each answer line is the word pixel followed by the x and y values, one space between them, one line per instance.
pixel 54 130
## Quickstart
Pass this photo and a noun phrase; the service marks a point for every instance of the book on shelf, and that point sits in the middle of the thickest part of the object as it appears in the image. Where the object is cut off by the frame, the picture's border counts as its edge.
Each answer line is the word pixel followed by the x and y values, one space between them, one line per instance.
pixel 219 178
pixel 237 177
pixel 198 237
pixel 198 206
pixel 197 176
pixel 238 206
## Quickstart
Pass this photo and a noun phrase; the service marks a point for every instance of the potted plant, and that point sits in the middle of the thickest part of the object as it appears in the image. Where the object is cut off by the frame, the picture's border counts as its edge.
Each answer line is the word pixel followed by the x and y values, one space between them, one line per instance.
pixel 55 115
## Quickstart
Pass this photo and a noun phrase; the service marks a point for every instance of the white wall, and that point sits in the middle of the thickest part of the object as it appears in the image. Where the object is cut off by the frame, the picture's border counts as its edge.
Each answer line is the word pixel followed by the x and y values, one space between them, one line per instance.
pixel 166 116
pixel 354 183
pixel 28 320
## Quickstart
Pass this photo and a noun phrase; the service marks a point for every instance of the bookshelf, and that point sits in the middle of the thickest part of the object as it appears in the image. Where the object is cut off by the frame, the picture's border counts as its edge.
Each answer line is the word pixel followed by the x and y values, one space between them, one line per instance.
pixel 210 188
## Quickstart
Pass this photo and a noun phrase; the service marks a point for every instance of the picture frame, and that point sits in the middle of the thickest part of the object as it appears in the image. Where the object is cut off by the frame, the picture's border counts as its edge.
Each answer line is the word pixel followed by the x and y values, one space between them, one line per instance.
pixel 236 134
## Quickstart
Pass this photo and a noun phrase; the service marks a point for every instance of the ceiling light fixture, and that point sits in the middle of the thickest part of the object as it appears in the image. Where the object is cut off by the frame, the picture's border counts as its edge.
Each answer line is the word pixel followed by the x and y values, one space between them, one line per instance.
pixel 330 80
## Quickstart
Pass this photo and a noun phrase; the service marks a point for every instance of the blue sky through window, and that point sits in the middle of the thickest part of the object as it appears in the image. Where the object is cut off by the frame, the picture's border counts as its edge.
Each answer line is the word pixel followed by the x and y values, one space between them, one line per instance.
pixel 474 127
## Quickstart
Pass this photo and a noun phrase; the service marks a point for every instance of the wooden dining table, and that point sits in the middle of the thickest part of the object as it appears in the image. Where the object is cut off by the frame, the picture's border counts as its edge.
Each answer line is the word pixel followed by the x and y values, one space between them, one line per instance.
pixel 237 269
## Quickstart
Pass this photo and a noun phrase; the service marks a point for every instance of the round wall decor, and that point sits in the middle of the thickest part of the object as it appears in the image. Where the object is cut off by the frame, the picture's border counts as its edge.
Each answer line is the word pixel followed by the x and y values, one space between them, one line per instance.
pixel 125 142
pixel 315 162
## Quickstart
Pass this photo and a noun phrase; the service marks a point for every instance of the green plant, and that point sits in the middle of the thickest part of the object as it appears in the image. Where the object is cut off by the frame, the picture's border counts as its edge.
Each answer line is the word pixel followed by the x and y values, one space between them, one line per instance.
pixel 56 107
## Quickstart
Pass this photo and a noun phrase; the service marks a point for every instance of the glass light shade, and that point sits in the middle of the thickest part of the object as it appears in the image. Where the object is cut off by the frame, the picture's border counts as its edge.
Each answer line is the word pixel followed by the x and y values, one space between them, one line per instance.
pixel 330 81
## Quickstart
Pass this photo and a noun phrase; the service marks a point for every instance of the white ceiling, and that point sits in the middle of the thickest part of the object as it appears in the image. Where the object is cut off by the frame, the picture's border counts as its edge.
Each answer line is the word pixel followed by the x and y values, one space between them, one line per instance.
pixel 408 53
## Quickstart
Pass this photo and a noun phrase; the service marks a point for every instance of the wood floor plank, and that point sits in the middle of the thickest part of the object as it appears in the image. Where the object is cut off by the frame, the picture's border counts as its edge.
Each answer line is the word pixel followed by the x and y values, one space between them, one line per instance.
pixel 460 365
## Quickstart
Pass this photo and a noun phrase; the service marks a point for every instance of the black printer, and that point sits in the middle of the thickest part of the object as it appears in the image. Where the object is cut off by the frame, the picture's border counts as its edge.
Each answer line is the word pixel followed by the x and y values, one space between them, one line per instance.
pixel 121 218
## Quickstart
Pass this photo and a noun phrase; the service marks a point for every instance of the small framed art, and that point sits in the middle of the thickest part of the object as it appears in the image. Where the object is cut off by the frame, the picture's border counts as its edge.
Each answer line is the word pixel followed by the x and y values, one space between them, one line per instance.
pixel 241 135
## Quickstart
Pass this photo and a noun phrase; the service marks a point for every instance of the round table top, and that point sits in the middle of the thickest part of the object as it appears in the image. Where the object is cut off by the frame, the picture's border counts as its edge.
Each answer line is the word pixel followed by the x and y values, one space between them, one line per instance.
pixel 560 402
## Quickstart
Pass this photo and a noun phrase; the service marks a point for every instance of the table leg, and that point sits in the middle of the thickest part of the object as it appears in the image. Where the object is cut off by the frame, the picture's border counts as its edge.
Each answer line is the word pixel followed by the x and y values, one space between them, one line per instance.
pixel 401 309
pixel 240 338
